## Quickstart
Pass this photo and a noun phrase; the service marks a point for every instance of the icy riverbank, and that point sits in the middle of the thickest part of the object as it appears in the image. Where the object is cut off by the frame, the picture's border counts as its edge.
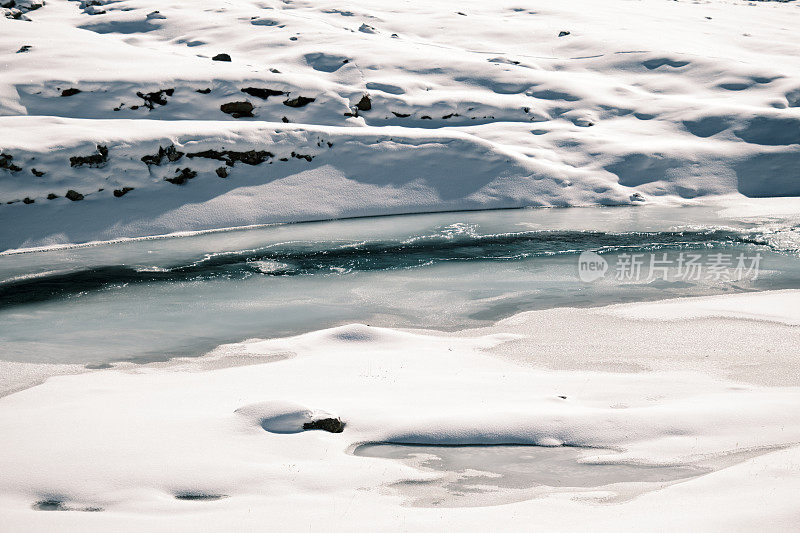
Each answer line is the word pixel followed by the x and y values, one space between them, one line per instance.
pixel 138 442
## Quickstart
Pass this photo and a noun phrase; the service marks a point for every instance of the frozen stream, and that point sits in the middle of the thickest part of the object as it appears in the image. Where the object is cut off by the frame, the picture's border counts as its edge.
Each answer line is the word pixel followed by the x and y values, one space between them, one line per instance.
pixel 150 299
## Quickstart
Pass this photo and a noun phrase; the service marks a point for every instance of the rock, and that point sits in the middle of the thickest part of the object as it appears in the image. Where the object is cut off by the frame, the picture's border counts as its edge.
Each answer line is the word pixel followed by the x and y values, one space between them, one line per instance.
pixel 37 173
pixel 203 91
pixel 331 425
pixel 237 109
pixel 221 57
pixel 250 157
pixel 184 175
pixel 156 97
pixel 302 156
pixel 563 33
pixel 637 197
pixel 70 92
pixel 222 172
pixel 122 192
pixel 401 115
pixel 285 120
pixel 171 153
pixel 300 101
pixel 27 200
pixel 75 196
pixel 52 196
pixel 262 93
pixel 95 160
pixel 24 48
pixel 365 104
pixel 6 164
pixel 366 28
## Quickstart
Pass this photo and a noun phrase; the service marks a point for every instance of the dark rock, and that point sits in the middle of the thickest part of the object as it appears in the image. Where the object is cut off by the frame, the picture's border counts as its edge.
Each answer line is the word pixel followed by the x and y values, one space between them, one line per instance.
pixel 203 91
pixel 52 196
pixel 332 425
pixel 275 71
pixel 300 101
pixel 222 172
pixel 285 120
pixel 24 48
pixel 156 97
pixel 95 160
pixel 303 156
pixel 184 175
pixel 365 104
pixel 262 93
pixel 70 92
pixel 401 115
pixel 171 153
pixel 451 115
pixel 237 109
pixel 6 164
pixel 27 200
pixel 38 173
pixel 74 195
pixel 122 192
pixel 563 33
pixel 425 117
pixel 250 157
pixel 221 57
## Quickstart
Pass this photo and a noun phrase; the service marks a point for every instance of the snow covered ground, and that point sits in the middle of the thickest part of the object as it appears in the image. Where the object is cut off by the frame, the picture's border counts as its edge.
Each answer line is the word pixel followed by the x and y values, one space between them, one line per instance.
pixel 210 444
pixel 374 107
pixel 131 118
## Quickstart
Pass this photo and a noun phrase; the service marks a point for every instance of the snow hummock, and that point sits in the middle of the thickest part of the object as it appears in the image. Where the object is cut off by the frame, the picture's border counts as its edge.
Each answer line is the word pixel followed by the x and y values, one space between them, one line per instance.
pixel 223 446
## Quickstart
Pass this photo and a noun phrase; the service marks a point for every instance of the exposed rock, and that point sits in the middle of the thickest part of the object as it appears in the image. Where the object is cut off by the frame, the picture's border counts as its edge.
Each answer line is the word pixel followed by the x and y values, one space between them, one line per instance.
pixel 70 92
pixel 156 97
pixel 183 175
pixel 24 48
pixel 52 196
pixel 637 197
pixel 563 33
pixel 303 156
pixel 38 173
pixel 222 172
pixel 221 57
pixel 262 93
pixel 250 157
pixel 300 101
pixel 203 91
pixel 75 196
pixel 122 192
pixel 27 200
pixel 171 153
pixel 332 425
pixel 237 109
pixel 6 164
pixel 401 115
pixel 95 160
pixel 365 104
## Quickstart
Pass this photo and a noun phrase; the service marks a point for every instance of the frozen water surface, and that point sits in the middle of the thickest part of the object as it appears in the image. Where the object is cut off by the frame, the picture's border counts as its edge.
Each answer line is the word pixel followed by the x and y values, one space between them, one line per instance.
pixel 154 298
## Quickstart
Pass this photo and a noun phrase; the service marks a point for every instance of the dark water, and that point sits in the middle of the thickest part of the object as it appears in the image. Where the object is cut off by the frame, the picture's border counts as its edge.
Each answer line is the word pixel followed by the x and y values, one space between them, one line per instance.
pixel 310 258
pixel 151 299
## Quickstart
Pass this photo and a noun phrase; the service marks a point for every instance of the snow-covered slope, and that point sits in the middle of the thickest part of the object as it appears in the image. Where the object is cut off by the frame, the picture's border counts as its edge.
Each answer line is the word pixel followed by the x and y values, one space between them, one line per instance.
pixel 429 106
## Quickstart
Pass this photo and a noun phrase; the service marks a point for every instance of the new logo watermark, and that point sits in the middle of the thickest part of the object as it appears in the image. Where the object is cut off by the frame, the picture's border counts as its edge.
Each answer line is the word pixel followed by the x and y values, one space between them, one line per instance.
pixel 683 266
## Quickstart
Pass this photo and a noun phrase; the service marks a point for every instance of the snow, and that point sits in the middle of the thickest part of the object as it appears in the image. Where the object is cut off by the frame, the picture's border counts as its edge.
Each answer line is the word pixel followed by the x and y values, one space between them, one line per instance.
pixel 679 102
pixel 154 437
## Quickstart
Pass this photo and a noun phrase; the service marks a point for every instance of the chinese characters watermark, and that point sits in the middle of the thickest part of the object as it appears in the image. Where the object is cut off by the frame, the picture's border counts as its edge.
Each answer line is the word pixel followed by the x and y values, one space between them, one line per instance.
pixel 682 266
